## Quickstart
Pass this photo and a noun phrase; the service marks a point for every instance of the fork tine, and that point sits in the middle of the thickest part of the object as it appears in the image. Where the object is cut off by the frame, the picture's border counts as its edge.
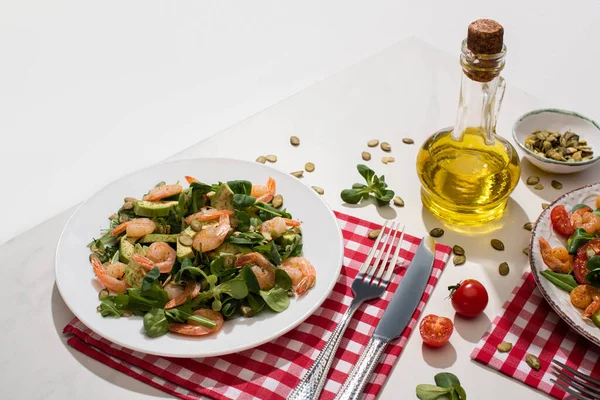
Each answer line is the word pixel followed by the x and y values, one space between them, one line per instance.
pixel 392 264
pixel 388 253
pixel 367 262
pixel 572 392
pixel 387 244
pixel 587 379
pixel 575 382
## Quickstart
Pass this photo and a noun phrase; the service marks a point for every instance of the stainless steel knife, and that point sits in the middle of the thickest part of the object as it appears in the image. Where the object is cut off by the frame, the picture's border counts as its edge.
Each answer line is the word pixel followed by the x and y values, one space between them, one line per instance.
pixel 395 318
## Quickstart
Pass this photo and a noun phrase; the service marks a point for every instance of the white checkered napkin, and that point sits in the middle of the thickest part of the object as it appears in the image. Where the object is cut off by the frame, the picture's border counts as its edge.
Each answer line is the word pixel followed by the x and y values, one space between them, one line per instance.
pixel 273 369
pixel 530 324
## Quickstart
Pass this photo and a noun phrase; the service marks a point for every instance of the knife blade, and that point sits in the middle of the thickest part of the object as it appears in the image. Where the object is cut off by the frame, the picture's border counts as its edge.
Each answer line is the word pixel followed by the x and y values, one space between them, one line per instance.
pixel 395 318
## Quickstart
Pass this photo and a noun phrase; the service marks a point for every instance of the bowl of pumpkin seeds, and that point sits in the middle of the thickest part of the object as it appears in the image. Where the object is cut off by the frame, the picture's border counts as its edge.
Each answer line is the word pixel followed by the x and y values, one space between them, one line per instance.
pixel 558 141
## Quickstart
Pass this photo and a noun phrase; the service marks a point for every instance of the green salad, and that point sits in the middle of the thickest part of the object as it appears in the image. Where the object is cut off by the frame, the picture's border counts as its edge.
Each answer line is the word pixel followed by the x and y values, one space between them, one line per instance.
pixel 188 259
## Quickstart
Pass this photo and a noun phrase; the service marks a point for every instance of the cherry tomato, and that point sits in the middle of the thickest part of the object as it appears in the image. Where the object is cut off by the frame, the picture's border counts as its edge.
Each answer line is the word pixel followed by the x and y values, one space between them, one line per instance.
pixel 580 264
pixel 436 331
pixel 561 221
pixel 469 298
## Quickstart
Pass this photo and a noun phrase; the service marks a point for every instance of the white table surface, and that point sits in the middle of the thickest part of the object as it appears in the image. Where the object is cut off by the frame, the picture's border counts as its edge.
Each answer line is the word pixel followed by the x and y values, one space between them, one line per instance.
pixel 409 90
pixel 81 80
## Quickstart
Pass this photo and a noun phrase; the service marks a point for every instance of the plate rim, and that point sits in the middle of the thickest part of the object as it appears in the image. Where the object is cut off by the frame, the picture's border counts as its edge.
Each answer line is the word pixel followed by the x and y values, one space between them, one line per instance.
pixel 236 349
pixel 535 270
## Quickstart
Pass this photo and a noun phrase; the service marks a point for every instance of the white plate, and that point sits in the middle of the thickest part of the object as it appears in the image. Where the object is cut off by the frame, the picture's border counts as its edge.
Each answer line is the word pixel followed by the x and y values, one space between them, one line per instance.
pixel 559 299
pixel 323 246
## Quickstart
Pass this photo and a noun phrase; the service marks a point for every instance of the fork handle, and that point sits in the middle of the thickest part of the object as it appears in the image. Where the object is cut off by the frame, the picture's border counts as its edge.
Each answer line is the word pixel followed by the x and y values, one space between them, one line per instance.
pixel 312 383
pixel 359 376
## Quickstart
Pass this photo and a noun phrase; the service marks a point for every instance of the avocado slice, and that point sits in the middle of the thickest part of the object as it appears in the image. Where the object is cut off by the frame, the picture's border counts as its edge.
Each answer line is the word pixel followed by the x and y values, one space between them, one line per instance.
pixel 596 318
pixel 223 198
pixel 159 237
pixel 153 209
pixel 126 247
pixel 183 251
pixel 229 248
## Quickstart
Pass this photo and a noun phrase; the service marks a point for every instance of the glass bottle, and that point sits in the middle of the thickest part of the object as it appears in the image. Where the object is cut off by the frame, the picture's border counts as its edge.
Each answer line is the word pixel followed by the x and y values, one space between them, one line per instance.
pixel 467 171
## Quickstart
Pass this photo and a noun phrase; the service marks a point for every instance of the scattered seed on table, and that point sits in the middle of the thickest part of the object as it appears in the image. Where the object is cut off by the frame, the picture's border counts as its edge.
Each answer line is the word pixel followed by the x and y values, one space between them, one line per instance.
pixel 373 234
pixel 526 251
pixel 373 142
pixel 545 205
pixel 366 155
pixel 539 186
pixel 385 146
pixel 261 159
pixel 398 201
pixel 277 201
pixel 294 140
pixel 528 226
pixel 533 180
pixel 185 240
pixel 504 347
pixel 436 232
pixel 533 361
pixel 457 250
pixel 556 185
pixel 459 260
pixel 408 141
pixel 503 269
pixel 309 167
pixel 271 158
pixel 386 160
pixel 497 244
pixel 318 189
pixel 297 174
pixel 196 225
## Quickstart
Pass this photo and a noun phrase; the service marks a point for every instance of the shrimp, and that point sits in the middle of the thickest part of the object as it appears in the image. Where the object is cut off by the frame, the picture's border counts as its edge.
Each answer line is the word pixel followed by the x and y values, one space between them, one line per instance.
pixel 159 255
pixel 557 259
pixel 274 227
pixel 207 214
pixel 592 308
pixel 262 269
pixel 264 193
pixel 598 202
pixel 105 276
pixel 190 179
pixel 212 236
pixel 161 192
pixel 135 228
pixel 582 295
pixel 192 288
pixel 302 273
pixel 195 329
pixel 588 221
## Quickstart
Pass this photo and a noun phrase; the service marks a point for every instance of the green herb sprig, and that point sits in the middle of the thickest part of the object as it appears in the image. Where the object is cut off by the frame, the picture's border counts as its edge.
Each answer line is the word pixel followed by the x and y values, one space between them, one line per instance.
pixel 375 186
pixel 445 384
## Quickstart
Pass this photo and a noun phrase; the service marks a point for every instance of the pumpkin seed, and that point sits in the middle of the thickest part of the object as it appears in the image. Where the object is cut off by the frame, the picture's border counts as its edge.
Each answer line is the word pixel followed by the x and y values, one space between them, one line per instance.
pixel 277 201
pixel 366 155
pixel 93 255
pixel 398 201
pixel 185 240
pixel 386 160
pixel 103 294
pixel 113 217
pixel 565 147
pixel 539 186
pixel 385 146
pixel 459 251
pixel 123 218
pixel 545 205
pixel 318 189
pixel 436 232
pixel 497 244
pixel 528 226
pixel 309 167
pixel 297 174
pixel 556 185
pixel 271 158
pixel 373 234
pixel 159 229
pixel 526 251
pixel 99 308
pixel 589 252
pixel 126 314
pixel 459 260
pixel 408 141
pixel 127 206
pixel 533 180
pixel 294 140
pixel 247 311
pixel 533 361
pixel 261 159
pixel 373 142
pixel 504 347
pixel 503 269
pixel 129 200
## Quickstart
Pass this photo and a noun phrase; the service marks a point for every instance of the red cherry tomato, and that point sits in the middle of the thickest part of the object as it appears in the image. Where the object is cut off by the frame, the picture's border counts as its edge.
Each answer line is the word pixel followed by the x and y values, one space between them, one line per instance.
pixel 580 263
pixel 436 331
pixel 469 298
pixel 561 221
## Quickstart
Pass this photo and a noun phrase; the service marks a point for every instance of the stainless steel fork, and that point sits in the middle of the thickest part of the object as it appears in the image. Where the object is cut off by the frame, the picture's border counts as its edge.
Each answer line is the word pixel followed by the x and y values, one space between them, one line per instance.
pixel 575 383
pixel 370 283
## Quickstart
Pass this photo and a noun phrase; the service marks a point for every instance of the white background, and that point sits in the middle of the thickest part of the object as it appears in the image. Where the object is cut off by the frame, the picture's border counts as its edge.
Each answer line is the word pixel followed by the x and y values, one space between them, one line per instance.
pixel 90 91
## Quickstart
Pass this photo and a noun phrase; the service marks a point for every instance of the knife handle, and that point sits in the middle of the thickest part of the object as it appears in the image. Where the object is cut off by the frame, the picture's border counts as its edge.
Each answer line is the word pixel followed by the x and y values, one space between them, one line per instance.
pixel 359 376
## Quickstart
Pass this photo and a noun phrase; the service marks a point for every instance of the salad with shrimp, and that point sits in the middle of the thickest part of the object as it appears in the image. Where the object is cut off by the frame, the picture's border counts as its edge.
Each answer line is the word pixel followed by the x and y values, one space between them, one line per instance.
pixel 576 267
pixel 188 259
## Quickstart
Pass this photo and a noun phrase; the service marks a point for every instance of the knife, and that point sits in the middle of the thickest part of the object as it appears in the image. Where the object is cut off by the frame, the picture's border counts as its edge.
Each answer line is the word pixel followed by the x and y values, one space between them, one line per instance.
pixel 395 318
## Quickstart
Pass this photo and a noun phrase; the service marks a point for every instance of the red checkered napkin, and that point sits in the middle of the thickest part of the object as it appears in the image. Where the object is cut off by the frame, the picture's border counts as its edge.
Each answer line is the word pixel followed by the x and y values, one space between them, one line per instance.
pixel 272 370
pixel 528 322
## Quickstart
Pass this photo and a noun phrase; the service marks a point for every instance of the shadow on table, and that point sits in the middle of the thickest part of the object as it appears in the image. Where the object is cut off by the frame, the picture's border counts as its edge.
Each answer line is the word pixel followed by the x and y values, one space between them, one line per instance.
pixel 386 212
pixel 471 329
pixel 442 357
pixel 61 316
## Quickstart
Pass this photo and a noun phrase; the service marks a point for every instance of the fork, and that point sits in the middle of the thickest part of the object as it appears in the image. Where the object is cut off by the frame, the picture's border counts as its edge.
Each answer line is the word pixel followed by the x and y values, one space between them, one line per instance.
pixel 370 283
pixel 575 383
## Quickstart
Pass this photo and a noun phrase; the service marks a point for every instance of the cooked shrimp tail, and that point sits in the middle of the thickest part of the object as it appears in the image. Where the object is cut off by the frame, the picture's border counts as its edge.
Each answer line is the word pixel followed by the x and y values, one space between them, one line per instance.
pixel 162 192
pixel 264 193
pixel 108 281
pixel 192 288
pixel 301 272
pixel 190 179
pixel 557 259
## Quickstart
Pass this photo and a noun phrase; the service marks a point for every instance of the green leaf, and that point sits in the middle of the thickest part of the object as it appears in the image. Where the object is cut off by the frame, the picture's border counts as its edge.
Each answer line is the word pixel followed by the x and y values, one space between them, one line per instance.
pixel 366 173
pixel 150 279
pixel 230 307
pixel 431 392
pixel 578 206
pixel 188 269
pixel 240 187
pixel 247 238
pixel 267 211
pixel 243 221
pixel 255 302
pixel 462 395
pixel 593 263
pixel 249 278
pixel 578 239
pixel 196 201
pixel 565 282
pixel 243 201
pixel 282 279
pixel 108 308
pixel 234 288
pixel 446 379
pixel 155 322
pixel 353 196
pixel 183 314
pixel 276 298
pixel 593 277
pixel 596 212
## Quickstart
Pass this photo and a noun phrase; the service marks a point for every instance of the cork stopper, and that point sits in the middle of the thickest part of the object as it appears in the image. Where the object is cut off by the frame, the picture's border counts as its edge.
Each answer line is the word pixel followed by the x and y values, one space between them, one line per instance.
pixel 485 36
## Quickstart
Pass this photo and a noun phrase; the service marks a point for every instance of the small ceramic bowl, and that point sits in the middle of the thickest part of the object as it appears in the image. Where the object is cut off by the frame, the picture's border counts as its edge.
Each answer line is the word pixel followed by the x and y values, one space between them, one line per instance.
pixel 559 120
